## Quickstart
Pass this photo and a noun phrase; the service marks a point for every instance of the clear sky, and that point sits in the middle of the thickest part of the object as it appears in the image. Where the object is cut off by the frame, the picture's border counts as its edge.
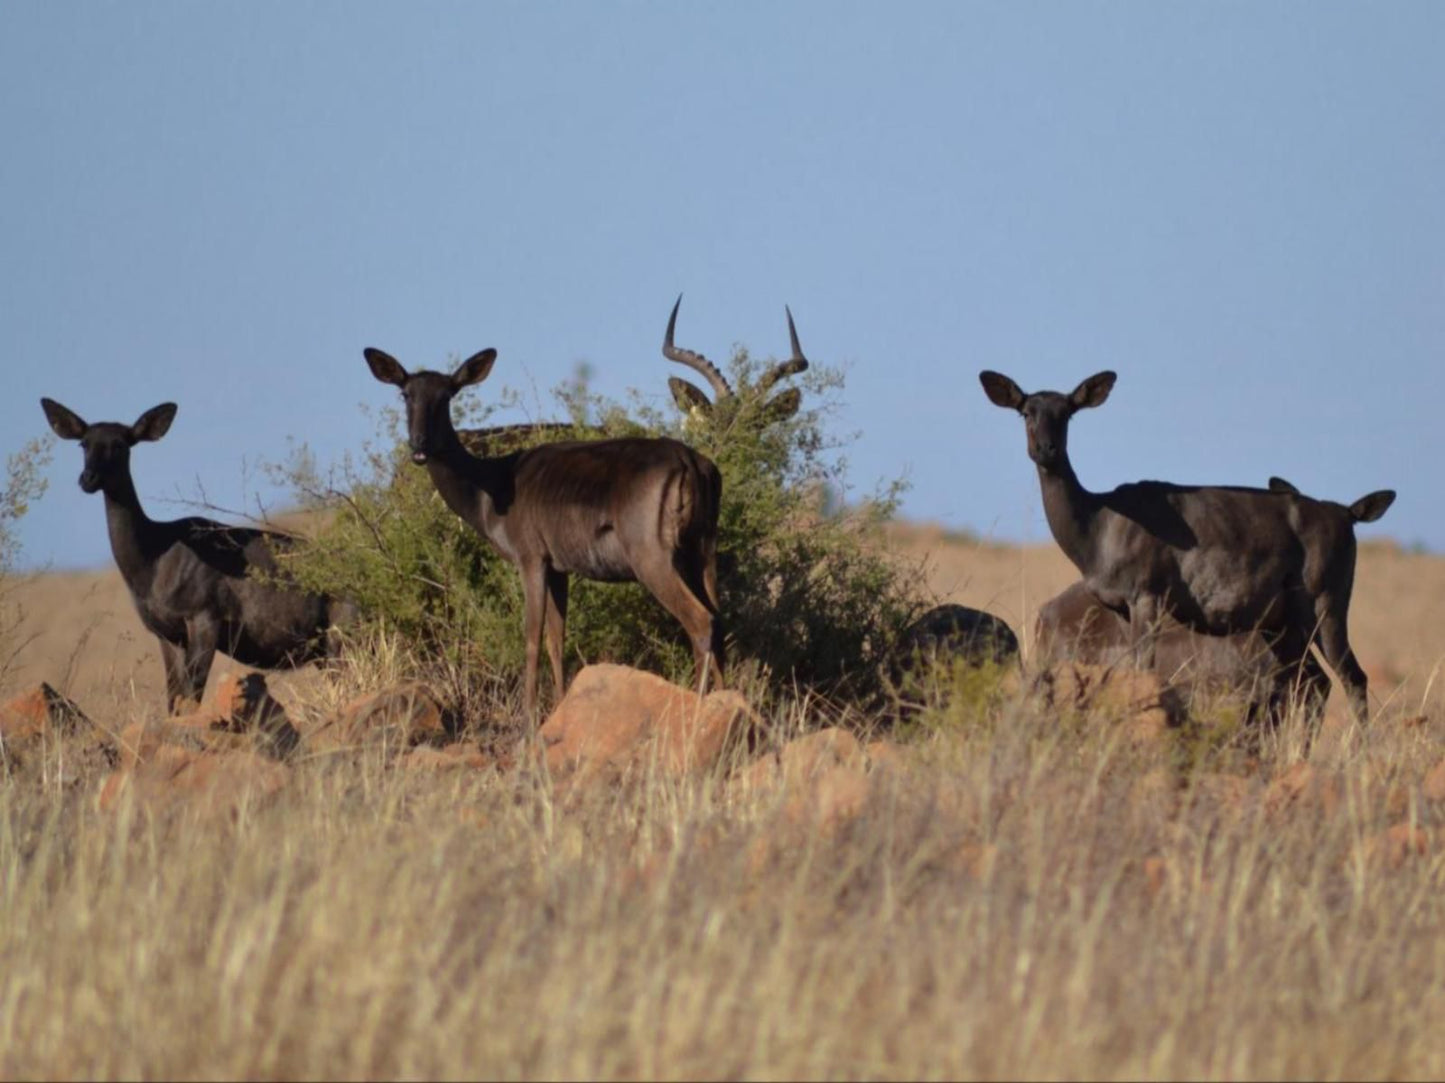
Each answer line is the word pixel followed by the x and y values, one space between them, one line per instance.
pixel 1238 207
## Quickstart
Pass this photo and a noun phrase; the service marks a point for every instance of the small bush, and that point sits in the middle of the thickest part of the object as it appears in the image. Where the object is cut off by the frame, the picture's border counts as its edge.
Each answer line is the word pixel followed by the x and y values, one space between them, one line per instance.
pixel 809 597
pixel 23 485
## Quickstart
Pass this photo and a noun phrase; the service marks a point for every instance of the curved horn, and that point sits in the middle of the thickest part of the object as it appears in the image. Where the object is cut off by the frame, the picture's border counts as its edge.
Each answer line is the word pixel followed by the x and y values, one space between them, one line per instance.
pixel 793 365
pixel 695 361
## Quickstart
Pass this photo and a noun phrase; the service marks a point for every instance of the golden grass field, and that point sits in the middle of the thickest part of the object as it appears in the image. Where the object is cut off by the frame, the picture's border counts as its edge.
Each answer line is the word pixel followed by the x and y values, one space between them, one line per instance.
pixel 1020 894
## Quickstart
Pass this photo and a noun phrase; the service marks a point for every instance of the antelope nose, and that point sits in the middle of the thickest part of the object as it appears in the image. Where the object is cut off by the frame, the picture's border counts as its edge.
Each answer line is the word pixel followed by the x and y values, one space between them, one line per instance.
pixel 89 481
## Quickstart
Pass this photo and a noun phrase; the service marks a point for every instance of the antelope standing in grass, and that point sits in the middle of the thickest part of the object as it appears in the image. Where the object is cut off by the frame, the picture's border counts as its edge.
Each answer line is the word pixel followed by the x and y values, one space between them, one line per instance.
pixel 1219 560
pixel 191 579
pixel 613 510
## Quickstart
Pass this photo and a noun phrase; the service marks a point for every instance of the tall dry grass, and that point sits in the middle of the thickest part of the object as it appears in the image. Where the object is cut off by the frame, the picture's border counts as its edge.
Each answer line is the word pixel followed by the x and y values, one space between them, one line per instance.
pixel 1021 895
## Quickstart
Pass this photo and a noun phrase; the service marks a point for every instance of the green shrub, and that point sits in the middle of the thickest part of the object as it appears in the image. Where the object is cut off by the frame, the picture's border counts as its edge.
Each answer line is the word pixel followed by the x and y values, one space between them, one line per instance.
pixel 22 486
pixel 809 598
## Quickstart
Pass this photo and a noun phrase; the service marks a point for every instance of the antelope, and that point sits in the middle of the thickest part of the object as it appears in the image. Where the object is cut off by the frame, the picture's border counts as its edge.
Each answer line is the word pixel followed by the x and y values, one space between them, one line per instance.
pixel 1076 625
pixel 692 399
pixel 634 508
pixel 191 579
pixel 1219 560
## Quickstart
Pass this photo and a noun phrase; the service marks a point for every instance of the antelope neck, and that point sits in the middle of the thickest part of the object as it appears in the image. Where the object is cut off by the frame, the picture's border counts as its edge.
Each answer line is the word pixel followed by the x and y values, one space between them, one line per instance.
pixel 1071 511
pixel 135 538
pixel 469 485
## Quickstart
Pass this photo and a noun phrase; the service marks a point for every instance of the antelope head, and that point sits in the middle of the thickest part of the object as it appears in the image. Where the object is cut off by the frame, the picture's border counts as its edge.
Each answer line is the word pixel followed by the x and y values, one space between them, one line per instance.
pixel 693 401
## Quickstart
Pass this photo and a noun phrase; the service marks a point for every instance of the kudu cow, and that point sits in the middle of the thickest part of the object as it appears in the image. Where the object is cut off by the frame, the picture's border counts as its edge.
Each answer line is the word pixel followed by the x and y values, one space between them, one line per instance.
pixel 192 579
pixel 613 510
pixel 1219 560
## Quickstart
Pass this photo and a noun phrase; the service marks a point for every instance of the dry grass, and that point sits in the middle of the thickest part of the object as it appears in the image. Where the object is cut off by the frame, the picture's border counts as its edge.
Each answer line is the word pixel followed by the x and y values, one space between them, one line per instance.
pixel 1021 896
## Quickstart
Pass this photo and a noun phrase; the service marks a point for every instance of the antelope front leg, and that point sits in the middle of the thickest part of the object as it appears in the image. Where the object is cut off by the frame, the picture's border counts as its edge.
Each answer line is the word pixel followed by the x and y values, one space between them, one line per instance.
pixel 1143 628
pixel 556 625
pixel 174 660
pixel 202 636
pixel 534 592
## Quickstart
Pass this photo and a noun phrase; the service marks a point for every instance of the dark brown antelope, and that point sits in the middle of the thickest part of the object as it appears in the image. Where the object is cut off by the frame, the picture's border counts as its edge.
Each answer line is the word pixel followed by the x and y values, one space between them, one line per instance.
pixel 1076 625
pixel 1219 560
pixel 191 579
pixel 691 398
pixel 612 510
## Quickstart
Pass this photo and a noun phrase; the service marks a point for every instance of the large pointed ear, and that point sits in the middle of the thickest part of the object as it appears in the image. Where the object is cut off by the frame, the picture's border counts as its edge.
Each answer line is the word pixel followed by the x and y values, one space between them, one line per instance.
pixel 67 424
pixel 1093 391
pixel 1001 390
pixel 1369 508
pixel 384 367
pixel 689 397
pixel 154 423
pixel 474 369
pixel 1279 485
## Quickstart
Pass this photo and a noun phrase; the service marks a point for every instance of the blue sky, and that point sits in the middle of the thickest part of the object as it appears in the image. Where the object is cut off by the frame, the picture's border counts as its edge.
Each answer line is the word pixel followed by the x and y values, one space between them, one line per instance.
pixel 1238 207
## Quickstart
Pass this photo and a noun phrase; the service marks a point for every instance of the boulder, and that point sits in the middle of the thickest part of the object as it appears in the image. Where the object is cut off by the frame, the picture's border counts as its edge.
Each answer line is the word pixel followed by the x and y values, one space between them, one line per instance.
pixel 1303 787
pixel 949 632
pixel 243 704
pixel 46 738
pixel 824 777
pixel 1145 703
pixel 395 718
pixel 453 757
pixel 40 711
pixel 164 774
pixel 616 720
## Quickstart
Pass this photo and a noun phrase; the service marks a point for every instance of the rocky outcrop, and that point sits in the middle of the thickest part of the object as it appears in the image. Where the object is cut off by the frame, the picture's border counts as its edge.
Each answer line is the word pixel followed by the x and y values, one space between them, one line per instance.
pixel 617 721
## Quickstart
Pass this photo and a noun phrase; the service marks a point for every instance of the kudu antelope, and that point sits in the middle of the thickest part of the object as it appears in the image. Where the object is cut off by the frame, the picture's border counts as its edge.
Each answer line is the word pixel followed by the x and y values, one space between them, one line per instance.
pixel 191 579
pixel 613 510
pixel 691 398
pixel 1076 625
pixel 1219 560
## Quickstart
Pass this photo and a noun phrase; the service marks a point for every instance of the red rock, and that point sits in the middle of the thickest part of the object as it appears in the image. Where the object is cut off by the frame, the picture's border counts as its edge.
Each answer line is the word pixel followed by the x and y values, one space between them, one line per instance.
pixel 616 720
pixel 884 753
pixel 405 715
pixel 823 776
pixel 171 776
pixel 1143 702
pixel 1303 787
pixel 237 693
pixel 36 712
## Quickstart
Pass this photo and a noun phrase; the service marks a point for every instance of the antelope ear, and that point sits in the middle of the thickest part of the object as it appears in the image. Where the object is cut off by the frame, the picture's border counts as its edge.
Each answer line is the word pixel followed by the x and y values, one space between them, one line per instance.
pixel 1001 390
pixel 154 423
pixel 1279 485
pixel 1093 391
pixel 688 397
pixel 781 406
pixel 474 369
pixel 384 367
pixel 67 424
pixel 1369 508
